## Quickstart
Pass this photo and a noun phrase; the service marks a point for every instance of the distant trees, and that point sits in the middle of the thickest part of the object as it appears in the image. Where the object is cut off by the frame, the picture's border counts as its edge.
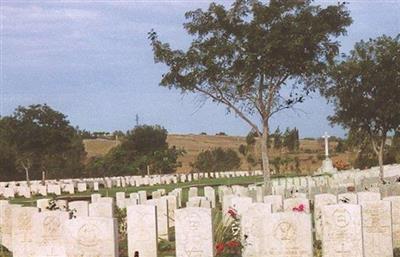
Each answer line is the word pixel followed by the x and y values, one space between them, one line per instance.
pixel 365 90
pixel 290 139
pixel 217 159
pixel 39 139
pixel 143 149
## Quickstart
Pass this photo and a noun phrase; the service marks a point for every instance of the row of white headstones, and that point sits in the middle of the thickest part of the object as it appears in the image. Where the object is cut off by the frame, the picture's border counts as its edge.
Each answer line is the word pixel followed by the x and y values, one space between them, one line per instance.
pixel 364 226
pixel 20 188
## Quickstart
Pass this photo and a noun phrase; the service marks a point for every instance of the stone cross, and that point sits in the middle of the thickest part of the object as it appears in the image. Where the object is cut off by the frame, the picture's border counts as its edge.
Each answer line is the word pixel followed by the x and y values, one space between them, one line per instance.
pixel 326 136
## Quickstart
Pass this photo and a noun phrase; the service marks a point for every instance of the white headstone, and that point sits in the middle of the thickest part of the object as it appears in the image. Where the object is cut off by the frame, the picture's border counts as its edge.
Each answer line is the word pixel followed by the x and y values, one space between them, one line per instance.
pixel 276 201
pixel 368 196
pixel 91 236
pixel 49 228
pixel 172 206
pixel 79 208
pixel 377 228
pixel 287 234
pixel 142 231
pixel 250 228
pixel 321 200
pixel 101 209
pixel 342 231
pixel 194 232
pixel 22 232
pixel 162 216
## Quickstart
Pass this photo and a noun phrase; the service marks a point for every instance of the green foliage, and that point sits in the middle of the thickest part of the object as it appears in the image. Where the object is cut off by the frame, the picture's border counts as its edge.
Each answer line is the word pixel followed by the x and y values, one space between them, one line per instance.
pixel 38 138
pixel 217 159
pixel 251 160
pixel 277 135
pixel 243 149
pixel 365 87
pixel 341 146
pixel 291 139
pixel 251 138
pixel 145 147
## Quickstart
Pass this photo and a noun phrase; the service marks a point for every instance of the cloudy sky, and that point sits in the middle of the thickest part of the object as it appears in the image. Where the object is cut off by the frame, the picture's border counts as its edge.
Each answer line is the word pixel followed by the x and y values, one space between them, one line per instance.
pixel 92 61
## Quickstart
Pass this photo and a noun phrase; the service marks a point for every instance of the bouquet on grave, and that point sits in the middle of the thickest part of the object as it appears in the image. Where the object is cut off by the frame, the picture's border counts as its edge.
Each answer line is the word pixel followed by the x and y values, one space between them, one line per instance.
pixel 228 236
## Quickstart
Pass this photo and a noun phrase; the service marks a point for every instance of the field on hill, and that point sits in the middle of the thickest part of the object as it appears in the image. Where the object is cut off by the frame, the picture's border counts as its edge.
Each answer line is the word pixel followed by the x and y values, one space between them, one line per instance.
pixel 310 154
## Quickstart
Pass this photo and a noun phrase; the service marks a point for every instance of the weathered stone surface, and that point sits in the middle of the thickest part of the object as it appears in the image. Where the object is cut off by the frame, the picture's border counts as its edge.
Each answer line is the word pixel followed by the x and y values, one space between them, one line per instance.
pixel 368 196
pixel 42 204
pixel 91 236
pixel 241 204
pixel 142 196
pixel 6 215
pixel 321 200
pixel 350 198
pixel 193 192
pixel 101 209
pixel 276 201
pixel 209 192
pixel 172 201
pixel 120 199
pixel 22 231
pixel 79 208
pixel 342 231
pixel 250 228
pixel 95 197
pixel 194 232
pixel 162 216
pixel 49 228
pixel 287 234
pixel 377 228
pixel 395 200
pixel 142 231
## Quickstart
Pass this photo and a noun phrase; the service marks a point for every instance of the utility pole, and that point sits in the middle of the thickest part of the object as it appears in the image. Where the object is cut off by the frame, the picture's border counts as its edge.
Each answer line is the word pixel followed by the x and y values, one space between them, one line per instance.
pixel 137 120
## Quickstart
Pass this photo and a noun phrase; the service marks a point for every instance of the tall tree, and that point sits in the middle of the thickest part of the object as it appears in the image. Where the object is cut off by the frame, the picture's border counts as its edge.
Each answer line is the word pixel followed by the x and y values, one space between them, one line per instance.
pixel 248 57
pixel 44 141
pixel 365 90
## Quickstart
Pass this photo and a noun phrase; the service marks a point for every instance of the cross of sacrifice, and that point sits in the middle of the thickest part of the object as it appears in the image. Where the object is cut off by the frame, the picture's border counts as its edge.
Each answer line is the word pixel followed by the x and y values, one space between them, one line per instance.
pixel 326 136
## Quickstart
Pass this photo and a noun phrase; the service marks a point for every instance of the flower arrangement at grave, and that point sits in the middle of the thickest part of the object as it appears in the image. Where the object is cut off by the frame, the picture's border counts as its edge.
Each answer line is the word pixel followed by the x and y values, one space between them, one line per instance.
pixel 341 165
pixel 227 235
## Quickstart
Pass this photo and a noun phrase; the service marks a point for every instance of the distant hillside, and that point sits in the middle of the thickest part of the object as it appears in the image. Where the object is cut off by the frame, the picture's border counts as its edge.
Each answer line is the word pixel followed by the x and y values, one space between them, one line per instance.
pixel 310 154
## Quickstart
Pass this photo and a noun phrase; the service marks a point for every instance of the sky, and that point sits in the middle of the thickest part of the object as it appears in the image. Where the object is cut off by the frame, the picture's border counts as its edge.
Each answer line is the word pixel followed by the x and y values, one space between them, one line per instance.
pixel 92 61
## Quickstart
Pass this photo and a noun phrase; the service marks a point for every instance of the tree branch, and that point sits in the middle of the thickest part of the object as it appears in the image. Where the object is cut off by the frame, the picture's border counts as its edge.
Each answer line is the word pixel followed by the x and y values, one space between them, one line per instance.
pixel 220 98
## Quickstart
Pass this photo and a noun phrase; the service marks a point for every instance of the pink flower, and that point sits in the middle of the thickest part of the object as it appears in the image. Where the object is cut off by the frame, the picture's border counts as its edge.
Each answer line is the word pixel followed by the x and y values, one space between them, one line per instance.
pixel 299 208
pixel 232 213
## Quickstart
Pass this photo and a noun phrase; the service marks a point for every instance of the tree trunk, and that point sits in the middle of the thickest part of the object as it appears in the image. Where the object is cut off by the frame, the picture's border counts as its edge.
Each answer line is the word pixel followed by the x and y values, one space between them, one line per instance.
pixel 27 177
pixel 264 154
pixel 43 177
pixel 380 158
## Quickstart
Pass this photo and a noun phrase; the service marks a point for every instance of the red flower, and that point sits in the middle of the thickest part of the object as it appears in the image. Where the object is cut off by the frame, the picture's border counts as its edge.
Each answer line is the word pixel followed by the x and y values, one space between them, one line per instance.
pixel 299 208
pixel 220 248
pixel 232 213
pixel 233 244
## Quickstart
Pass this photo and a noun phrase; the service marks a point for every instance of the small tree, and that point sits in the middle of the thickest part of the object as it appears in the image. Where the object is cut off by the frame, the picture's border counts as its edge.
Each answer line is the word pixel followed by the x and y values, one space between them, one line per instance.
pixel 217 159
pixel 365 90
pixel 277 138
pixel 250 56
